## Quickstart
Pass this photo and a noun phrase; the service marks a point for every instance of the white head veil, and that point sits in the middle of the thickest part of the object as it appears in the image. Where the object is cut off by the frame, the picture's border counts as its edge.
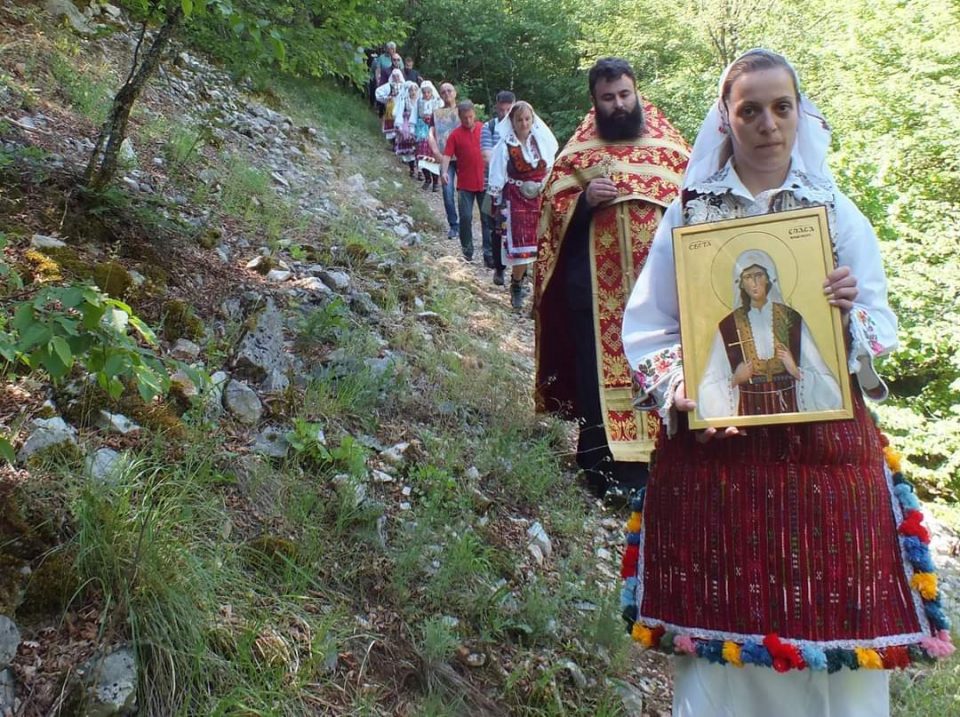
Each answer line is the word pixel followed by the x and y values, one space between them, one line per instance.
pixel 547 144
pixel 426 106
pixel 810 147
pixel 404 100
pixel 756 257
pixel 547 147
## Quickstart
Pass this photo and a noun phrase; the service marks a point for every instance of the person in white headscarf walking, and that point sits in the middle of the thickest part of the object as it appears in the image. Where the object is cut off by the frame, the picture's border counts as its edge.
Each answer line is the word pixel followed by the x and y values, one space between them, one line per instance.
pixel 387 94
pixel 785 566
pixel 520 163
pixel 426 161
pixel 405 115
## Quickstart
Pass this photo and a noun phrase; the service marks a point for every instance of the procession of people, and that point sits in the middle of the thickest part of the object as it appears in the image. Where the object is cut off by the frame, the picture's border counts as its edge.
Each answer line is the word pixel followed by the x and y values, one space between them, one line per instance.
pixel 779 558
pixel 494 168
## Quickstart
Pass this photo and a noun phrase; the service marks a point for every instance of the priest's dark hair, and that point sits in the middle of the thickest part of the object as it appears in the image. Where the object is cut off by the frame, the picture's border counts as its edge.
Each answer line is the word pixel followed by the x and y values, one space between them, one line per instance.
pixel 609 69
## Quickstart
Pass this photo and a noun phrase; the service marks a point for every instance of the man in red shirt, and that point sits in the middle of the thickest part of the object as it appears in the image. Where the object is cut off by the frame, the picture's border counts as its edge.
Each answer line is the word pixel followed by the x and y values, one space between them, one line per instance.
pixel 463 144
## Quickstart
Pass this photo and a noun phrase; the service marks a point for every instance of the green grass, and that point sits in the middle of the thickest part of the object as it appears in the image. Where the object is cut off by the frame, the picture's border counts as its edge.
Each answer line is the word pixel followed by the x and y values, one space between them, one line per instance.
pixel 87 92
pixel 931 693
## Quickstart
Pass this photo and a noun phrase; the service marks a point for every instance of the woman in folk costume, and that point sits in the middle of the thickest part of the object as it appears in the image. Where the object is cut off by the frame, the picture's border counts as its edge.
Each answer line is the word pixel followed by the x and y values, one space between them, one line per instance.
pixel 427 163
pixel 387 95
pixel 519 165
pixel 405 121
pixel 796 547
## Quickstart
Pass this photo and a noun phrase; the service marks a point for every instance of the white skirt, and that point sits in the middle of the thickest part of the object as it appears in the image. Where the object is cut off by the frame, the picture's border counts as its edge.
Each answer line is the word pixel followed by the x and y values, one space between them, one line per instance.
pixel 703 689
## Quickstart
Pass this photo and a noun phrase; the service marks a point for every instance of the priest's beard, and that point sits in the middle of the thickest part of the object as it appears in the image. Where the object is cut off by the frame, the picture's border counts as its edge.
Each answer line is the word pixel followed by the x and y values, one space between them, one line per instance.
pixel 620 124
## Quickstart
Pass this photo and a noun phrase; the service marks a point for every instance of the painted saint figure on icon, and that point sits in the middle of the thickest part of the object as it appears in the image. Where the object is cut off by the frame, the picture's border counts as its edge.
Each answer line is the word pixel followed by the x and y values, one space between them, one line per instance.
pixel 763 359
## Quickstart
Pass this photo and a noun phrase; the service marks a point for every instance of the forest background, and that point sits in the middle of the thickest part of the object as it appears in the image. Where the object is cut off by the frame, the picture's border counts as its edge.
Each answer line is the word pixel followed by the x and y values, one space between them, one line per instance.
pixel 885 73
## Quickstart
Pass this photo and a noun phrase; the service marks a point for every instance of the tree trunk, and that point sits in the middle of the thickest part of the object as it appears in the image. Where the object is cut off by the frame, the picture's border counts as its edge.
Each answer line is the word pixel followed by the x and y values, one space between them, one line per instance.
pixel 100 171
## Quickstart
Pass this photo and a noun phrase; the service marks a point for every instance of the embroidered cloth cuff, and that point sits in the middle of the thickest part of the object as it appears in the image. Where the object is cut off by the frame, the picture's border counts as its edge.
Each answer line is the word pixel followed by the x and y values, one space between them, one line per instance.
pixel 653 370
pixel 864 349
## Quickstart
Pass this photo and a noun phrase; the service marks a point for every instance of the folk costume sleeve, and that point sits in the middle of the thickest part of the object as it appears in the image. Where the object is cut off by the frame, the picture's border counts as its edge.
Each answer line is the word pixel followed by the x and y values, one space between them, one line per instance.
pixel 873 327
pixel 498 168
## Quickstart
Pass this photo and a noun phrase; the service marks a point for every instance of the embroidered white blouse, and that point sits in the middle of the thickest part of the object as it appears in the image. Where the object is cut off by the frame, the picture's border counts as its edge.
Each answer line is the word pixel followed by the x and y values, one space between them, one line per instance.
pixel 651 321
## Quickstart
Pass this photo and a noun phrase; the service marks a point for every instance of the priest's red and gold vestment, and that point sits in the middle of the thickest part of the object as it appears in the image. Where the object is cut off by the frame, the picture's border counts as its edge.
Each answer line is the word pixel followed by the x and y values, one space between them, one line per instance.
pixel 647 172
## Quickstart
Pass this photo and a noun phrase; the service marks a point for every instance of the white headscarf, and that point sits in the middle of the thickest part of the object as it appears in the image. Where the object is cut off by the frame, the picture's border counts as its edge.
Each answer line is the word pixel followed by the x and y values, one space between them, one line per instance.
pixel 426 107
pixel 756 257
pixel 810 147
pixel 547 147
pixel 404 101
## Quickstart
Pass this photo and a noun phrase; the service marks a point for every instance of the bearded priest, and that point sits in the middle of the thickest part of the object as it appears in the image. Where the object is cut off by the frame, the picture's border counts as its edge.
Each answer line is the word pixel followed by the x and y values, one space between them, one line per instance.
pixel 602 203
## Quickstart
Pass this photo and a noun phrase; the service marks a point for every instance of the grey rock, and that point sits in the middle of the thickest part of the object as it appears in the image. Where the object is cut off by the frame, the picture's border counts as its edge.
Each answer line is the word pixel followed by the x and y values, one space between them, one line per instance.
pixel 381 477
pixel 576 674
pixel 128 155
pixel 380 366
pixel 111 10
pixel 117 423
pixel 47 433
pixel 185 350
pixel 538 536
pixel 102 466
pixel 363 304
pixel 243 402
pixel 131 183
pixel 313 285
pixel 9 641
pixel 261 352
pixel 336 280
pixel 66 9
pixel 41 241
pixel 395 455
pixel 278 275
pixel 213 402
pixel 272 442
pixel 275 381
pixel 630 697
pixel 8 692
pixel 355 183
pixel 111 684
pixel 184 385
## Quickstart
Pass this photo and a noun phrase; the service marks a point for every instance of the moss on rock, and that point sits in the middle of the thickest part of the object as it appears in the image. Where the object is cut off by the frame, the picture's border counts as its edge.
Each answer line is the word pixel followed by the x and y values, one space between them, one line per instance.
pixel 41 269
pixel 113 279
pixel 51 586
pixel 180 322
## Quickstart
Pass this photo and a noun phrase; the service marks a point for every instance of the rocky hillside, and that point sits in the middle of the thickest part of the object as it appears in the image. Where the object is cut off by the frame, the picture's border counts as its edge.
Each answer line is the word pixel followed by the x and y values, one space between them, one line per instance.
pixel 337 500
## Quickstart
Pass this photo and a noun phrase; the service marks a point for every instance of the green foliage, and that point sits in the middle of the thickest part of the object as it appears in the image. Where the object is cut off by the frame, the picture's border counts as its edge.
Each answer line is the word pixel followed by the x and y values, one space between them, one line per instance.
pixel 305 440
pixel 528 46
pixel 60 326
pixel 301 37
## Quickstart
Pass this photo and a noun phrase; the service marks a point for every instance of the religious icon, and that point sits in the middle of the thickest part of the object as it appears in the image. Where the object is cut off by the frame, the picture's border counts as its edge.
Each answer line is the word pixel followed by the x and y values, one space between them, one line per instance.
pixel 761 344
